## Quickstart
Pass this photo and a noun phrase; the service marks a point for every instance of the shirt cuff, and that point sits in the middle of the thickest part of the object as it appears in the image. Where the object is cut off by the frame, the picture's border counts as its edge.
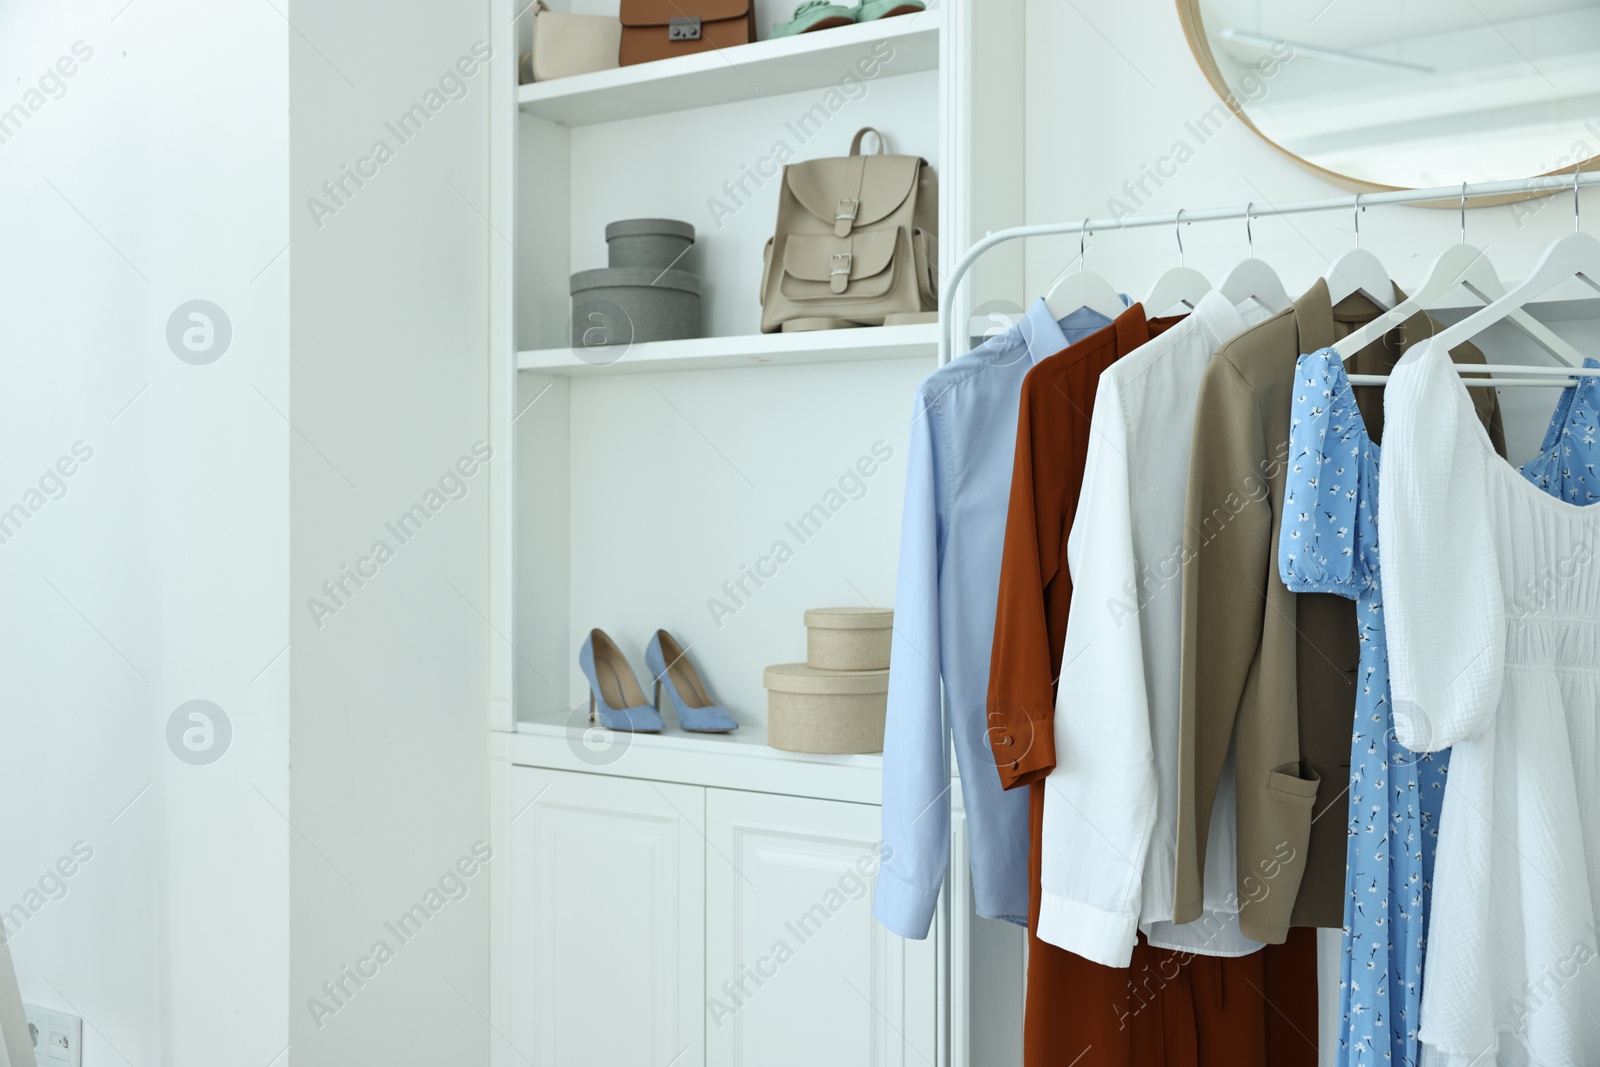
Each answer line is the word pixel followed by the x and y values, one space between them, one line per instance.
pixel 903 908
pixel 1103 937
pixel 1024 754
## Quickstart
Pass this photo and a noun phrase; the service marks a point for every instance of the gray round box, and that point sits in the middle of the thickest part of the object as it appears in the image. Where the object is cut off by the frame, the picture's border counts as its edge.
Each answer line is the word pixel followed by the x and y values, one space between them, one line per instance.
pixel 657 243
pixel 622 305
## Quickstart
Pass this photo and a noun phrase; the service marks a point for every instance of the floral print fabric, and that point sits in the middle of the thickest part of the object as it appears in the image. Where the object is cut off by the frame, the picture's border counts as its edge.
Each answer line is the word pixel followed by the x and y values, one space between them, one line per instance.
pixel 1330 545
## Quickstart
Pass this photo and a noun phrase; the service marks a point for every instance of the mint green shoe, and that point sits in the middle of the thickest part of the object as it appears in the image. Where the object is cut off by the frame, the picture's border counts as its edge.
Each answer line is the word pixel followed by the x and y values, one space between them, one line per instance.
pixel 814 15
pixel 882 9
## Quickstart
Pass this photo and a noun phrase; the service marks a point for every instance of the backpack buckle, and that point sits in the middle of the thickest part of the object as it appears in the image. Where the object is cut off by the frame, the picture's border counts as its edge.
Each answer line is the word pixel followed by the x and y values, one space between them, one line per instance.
pixel 844 216
pixel 839 271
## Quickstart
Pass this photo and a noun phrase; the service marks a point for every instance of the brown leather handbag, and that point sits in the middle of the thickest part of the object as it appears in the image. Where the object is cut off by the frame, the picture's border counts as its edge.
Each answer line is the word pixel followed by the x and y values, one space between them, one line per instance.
pixel 659 29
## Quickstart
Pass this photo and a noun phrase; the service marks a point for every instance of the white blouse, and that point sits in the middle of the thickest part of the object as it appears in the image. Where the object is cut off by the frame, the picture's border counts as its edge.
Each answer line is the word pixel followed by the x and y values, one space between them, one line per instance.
pixel 1492 601
pixel 1108 854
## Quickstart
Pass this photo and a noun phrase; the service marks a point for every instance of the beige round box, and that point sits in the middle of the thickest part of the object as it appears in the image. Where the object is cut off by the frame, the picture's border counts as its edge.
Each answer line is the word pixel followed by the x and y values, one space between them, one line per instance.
pixel 825 711
pixel 849 639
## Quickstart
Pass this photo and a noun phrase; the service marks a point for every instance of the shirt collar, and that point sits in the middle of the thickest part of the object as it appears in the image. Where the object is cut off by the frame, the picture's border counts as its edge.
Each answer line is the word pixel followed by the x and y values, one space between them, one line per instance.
pixel 1315 316
pixel 1218 313
pixel 1132 329
pixel 1040 331
pixel 1044 336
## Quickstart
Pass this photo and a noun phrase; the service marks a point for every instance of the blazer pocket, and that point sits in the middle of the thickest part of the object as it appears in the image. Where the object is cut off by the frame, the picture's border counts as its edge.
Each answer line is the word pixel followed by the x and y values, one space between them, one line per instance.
pixel 1270 867
pixel 1288 782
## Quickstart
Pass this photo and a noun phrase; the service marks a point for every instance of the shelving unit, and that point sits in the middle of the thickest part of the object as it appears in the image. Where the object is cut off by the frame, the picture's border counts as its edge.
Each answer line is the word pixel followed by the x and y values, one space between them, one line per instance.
pixel 663 436
pixel 764 68
pixel 653 430
pixel 919 341
pixel 636 489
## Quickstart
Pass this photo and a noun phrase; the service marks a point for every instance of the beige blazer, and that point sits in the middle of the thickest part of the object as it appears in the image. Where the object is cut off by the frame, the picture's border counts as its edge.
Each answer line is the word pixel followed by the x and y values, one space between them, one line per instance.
pixel 1270 671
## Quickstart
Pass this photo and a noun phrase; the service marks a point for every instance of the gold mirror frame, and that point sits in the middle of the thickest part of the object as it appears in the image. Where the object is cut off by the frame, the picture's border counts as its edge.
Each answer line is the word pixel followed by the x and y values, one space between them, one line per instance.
pixel 1194 32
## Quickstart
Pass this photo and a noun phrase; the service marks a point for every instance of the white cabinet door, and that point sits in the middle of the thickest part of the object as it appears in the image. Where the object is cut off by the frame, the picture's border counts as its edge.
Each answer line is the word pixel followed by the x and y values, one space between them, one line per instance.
pixel 797 970
pixel 607 918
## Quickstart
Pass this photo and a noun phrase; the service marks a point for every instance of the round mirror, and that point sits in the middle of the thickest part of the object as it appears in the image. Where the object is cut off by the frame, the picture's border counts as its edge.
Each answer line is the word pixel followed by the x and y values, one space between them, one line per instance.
pixel 1409 95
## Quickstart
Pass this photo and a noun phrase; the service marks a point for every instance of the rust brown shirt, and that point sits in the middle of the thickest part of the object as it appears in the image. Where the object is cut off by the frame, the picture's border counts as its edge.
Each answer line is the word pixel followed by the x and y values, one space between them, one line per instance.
pixel 1030 625
pixel 1167 1007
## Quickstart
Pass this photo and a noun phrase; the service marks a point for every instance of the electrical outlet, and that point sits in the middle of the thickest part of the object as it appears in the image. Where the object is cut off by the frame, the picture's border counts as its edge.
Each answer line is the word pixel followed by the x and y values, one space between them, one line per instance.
pixel 57 1037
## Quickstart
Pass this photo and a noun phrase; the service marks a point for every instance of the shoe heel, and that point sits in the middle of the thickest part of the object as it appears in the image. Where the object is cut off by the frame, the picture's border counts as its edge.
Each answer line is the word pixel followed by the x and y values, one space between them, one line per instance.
pixel 614 687
pixel 675 674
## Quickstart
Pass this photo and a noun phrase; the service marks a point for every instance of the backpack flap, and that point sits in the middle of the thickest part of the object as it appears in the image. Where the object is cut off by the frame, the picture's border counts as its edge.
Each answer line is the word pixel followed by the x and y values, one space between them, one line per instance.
pixel 850 192
pixel 826 268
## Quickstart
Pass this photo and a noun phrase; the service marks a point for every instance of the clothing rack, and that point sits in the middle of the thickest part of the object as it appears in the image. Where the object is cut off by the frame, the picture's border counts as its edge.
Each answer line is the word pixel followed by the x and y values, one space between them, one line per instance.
pixel 950 287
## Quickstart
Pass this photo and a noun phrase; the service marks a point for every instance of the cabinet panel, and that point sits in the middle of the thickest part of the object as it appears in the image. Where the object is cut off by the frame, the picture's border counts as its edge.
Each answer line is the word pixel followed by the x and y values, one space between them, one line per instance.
pixel 797 970
pixel 607 921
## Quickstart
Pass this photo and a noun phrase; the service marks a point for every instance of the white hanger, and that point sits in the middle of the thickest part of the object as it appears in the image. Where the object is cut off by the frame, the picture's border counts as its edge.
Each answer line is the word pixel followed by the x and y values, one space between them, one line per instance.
pixel 1080 288
pixel 1358 271
pixel 1253 279
pixel 1180 285
pixel 1469 268
pixel 1576 255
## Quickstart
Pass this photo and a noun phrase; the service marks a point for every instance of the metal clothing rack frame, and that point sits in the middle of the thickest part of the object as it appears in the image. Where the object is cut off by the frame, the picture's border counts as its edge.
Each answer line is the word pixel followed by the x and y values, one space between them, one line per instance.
pixel 1554 183
pixel 1545 184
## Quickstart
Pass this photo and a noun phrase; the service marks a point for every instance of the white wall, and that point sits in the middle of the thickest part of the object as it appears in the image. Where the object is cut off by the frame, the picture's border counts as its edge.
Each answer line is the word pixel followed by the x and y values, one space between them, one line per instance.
pixel 155 174
pixel 389 314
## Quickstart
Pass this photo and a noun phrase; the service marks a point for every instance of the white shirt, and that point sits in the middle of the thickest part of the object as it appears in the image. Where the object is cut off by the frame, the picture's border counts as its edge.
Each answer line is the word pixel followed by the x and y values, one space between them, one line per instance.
pixel 1108 858
pixel 1491 591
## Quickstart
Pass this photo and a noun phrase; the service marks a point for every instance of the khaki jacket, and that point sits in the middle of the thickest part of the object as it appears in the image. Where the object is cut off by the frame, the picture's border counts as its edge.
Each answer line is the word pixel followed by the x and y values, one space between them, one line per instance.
pixel 1271 672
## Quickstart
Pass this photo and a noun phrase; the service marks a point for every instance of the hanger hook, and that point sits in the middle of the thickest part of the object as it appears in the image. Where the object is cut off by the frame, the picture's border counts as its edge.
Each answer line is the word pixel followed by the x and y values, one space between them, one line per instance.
pixel 1463 212
pixel 1249 235
pixel 1577 211
pixel 1177 231
pixel 1083 245
pixel 1355 214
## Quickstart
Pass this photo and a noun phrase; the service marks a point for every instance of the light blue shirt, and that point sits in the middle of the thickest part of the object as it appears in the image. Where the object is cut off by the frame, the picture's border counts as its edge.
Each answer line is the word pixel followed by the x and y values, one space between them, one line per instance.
pixel 958 486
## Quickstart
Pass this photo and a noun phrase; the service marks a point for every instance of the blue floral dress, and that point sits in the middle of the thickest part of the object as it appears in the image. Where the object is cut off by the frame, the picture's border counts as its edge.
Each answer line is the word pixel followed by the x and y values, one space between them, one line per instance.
pixel 1568 463
pixel 1329 544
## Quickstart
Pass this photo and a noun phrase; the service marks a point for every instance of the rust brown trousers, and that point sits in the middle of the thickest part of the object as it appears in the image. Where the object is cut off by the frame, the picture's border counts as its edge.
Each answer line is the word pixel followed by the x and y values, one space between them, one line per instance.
pixel 1168 1008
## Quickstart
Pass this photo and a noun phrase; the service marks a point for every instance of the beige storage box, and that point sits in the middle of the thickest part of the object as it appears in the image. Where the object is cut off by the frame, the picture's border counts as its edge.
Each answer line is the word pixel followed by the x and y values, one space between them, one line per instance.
pixel 825 711
pixel 848 639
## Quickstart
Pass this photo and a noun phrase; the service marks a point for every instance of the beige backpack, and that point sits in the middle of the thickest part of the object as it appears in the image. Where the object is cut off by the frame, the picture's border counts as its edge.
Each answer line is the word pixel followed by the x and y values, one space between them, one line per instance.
pixel 855 243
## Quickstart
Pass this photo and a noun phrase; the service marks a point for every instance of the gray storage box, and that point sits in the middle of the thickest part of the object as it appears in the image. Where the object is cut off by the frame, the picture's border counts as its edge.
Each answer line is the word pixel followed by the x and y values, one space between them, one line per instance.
pixel 618 306
pixel 658 243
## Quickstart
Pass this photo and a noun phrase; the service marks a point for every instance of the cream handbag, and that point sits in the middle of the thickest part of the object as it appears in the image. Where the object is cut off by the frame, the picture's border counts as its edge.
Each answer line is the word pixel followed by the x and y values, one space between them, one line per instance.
pixel 855 243
pixel 564 45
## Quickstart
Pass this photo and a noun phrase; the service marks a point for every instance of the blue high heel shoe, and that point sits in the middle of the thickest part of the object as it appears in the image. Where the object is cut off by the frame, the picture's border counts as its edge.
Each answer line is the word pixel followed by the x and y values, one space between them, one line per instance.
pixel 670 667
pixel 614 693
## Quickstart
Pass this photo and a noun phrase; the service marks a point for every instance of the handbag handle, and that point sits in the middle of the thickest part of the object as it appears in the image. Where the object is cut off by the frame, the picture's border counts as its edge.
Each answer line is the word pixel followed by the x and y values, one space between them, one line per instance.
pixel 537 7
pixel 855 142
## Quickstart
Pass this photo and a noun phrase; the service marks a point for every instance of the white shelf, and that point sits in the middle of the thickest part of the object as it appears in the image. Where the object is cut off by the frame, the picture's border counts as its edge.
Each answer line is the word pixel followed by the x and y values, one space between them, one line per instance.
pixel 740 760
pixel 764 68
pixel 920 341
